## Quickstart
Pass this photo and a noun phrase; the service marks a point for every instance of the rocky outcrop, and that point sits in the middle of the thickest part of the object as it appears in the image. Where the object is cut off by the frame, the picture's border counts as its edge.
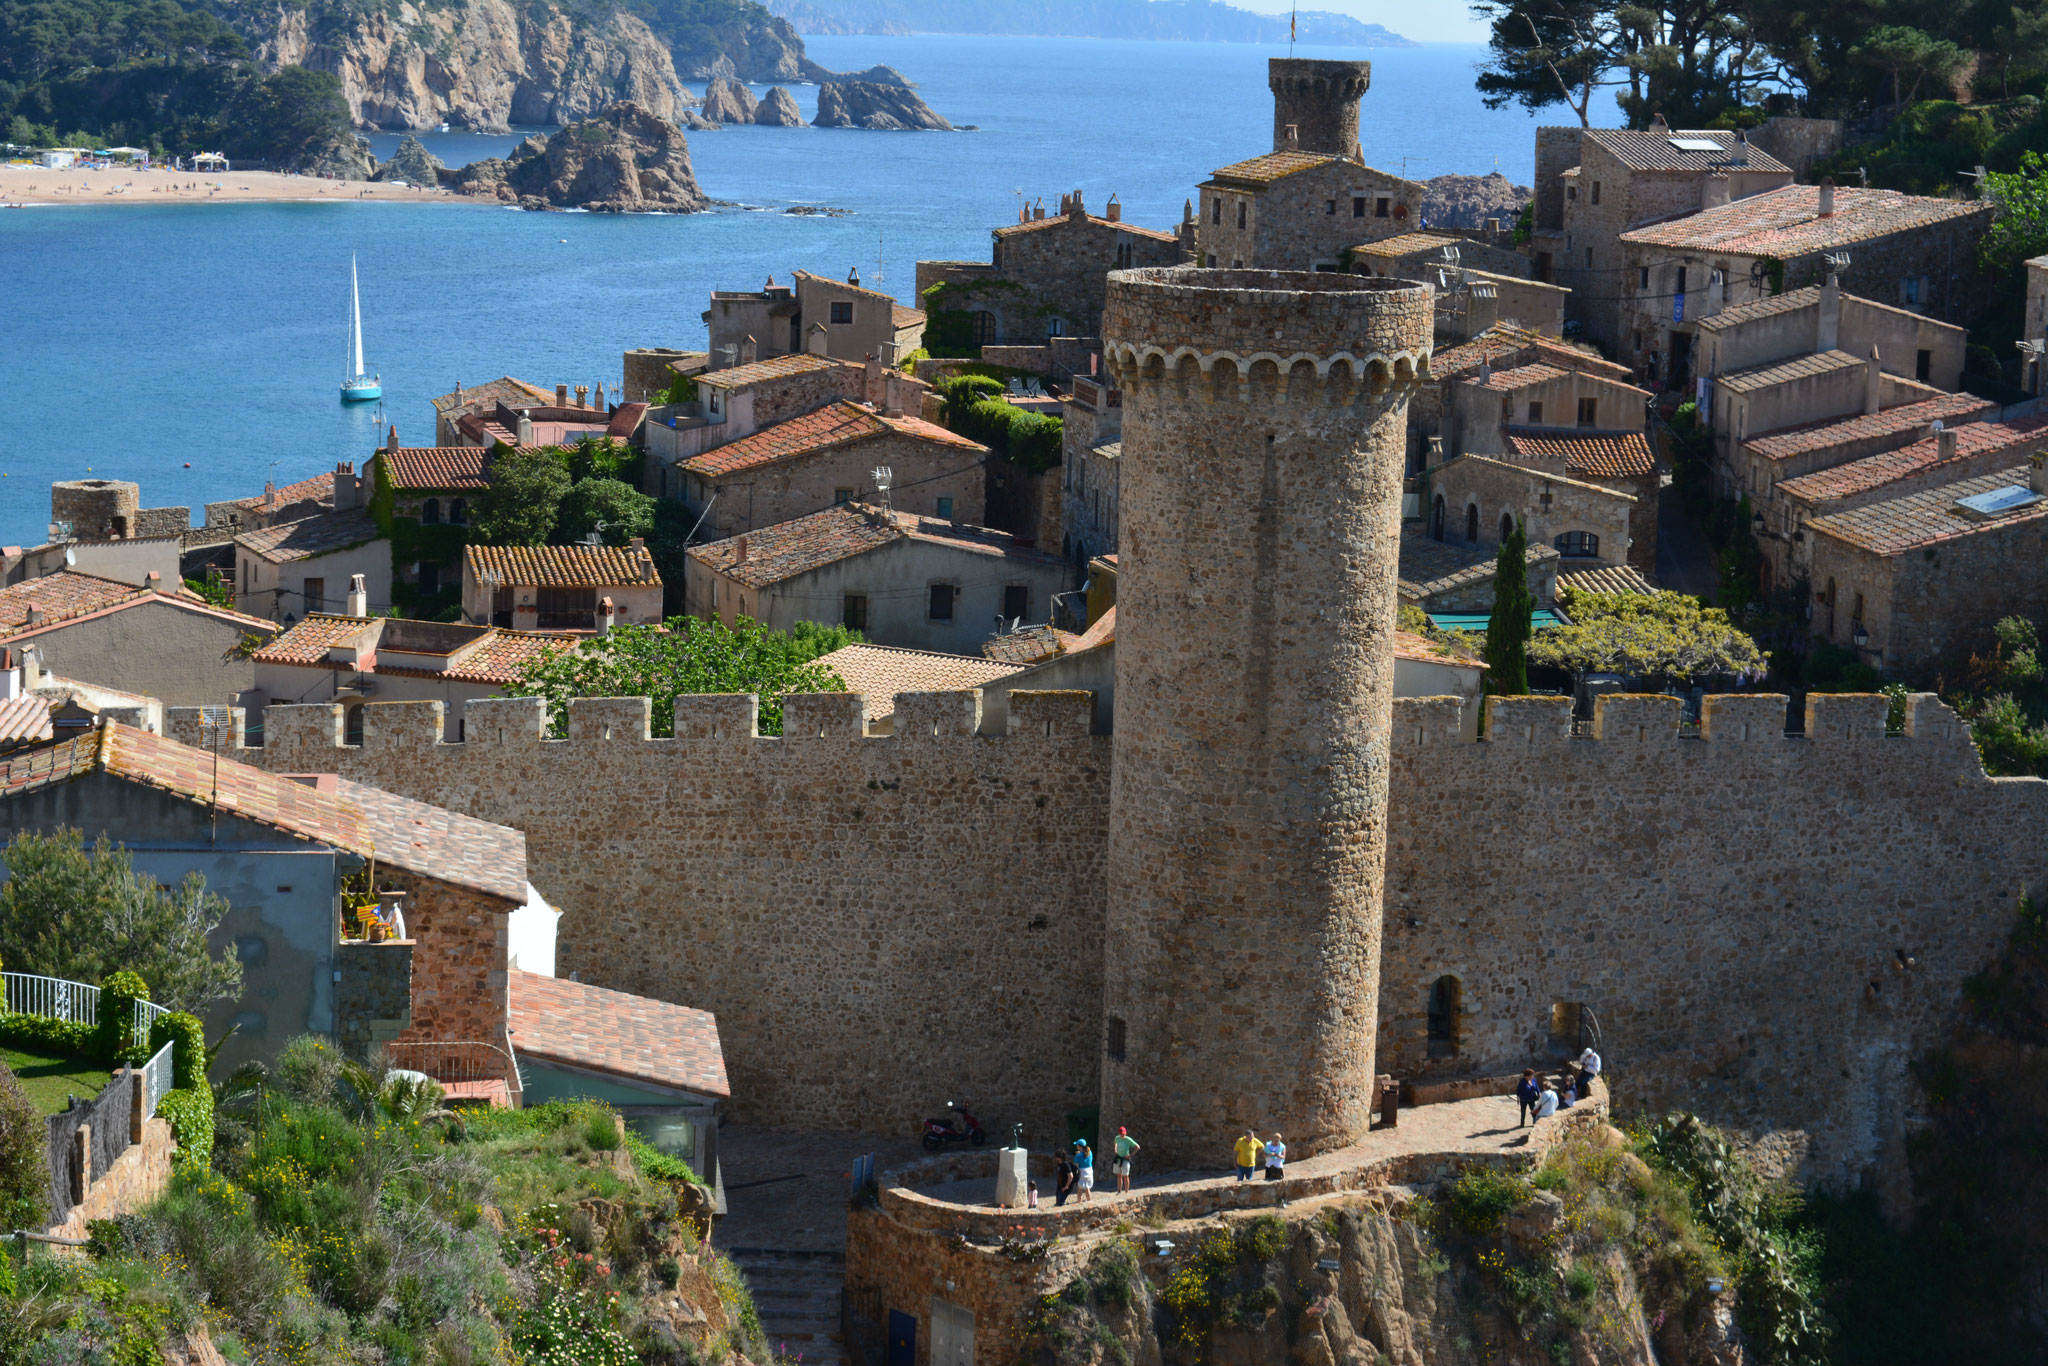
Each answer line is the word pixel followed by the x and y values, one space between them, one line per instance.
pixel 868 104
pixel 412 163
pixel 1467 201
pixel 345 157
pixel 727 101
pixel 482 64
pixel 777 109
pixel 627 160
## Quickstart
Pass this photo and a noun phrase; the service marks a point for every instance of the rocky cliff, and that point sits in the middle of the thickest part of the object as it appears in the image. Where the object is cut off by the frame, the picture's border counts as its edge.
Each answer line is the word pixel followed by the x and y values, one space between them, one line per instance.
pixel 727 101
pixel 777 109
pixel 627 160
pixel 1467 201
pixel 480 64
pixel 411 163
pixel 868 104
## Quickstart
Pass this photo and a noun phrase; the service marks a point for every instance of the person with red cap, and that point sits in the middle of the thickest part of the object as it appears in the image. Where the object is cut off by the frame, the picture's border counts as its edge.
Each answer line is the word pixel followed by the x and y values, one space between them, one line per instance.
pixel 1125 1146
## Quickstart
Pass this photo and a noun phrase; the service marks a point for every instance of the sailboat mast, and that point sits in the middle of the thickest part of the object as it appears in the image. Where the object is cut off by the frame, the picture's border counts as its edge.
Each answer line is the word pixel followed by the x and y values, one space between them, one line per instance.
pixel 355 318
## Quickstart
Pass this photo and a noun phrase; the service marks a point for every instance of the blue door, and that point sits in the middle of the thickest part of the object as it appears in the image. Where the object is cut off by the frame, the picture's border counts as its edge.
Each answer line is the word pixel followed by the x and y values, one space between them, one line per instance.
pixel 902 1338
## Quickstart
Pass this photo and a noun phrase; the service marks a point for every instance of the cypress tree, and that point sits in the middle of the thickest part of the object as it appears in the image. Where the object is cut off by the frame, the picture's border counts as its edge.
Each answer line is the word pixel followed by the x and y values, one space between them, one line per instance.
pixel 1507 630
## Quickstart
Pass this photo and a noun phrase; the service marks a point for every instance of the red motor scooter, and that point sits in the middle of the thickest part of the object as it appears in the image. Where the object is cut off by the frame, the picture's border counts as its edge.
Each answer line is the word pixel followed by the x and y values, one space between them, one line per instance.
pixel 958 1126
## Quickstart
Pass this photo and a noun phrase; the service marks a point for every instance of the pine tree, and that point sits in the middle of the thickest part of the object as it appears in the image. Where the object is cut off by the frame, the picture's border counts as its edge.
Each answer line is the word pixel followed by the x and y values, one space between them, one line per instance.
pixel 1507 630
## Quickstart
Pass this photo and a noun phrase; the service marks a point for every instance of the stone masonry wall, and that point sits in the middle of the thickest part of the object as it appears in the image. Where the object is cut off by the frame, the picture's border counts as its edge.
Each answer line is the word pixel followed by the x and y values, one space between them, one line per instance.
pixel 880 923
pixel 1305 221
pixel 924 472
pixel 372 995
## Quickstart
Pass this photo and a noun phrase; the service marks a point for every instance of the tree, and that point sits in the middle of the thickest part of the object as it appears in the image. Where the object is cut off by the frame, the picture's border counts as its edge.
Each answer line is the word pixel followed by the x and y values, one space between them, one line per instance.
pixel 1653 635
pixel 1507 630
pixel 2021 228
pixel 624 511
pixel 1548 53
pixel 526 488
pixel 1899 52
pixel 24 1156
pixel 66 911
pixel 688 655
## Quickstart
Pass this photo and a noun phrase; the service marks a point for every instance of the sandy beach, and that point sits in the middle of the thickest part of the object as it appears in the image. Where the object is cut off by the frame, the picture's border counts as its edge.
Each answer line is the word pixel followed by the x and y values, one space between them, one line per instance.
pixel 77 185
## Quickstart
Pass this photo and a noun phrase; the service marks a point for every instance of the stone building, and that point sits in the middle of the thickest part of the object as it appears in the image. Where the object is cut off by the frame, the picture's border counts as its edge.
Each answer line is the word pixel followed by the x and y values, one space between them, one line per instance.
pixel 1826 317
pixel 1793 396
pixel 1594 184
pixel 1294 210
pixel 1454 576
pixel 288 570
pixel 468 401
pixel 1407 256
pixel 1557 391
pixel 1044 277
pixel 898 578
pixel 1913 581
pixel 1480 499
pixel 835 318
pixel 338 491
pixel 1620 461
pixel 1500 347
pixel 421 502
pixel 1910 251
pixel 738 402
pixel 2033 368
pixel 562 421
pixel 560 587
pixel 109 510
pixel 1091 424
pixel 157 640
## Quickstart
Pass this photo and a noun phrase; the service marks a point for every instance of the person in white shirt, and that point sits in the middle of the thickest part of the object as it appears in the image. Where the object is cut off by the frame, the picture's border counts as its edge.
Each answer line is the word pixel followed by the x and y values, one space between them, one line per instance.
pixel 1589 1068
pixel 1546 1103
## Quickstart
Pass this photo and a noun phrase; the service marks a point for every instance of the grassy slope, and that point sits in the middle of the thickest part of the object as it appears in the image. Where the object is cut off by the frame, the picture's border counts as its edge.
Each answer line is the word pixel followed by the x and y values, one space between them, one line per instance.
pixel 51 1079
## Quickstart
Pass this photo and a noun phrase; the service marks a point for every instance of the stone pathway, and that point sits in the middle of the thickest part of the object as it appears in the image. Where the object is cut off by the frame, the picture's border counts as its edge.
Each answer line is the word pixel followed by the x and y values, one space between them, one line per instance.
pixel 1684 563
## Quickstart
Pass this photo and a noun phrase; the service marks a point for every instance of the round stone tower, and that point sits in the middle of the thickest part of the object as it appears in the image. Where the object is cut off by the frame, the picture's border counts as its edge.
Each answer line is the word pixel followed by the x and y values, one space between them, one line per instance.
pixel 95 509
pixel 1320 99
pixel 1260 505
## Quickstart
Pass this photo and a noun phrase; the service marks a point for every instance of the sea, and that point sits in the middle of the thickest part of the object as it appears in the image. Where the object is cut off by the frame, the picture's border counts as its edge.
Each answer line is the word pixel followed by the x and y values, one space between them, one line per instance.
pixel 197 349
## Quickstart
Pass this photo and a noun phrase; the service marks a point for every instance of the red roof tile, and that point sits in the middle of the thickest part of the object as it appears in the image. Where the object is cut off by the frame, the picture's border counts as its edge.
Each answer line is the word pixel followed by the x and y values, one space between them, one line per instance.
pixel 879 672
pixel 515 392
pixel 775 367
pixel 1053 220
pixel 835 424
pixel 1787 442
pixel 67 593
pixel 560 566
pixel 1519 377
pixel 440 843
pixel 1502 340
pixel 1928 517
pixel 1593 454
pixel 1975 442
pixel 1263 170
pixel 318 488
pixel 435 468
pixel 310 536
pixel 1777 372
pixel 310 640
pixel 787 549
pixel 626 420
pixel 1786 222
pixel 24 720
pixel 631 1037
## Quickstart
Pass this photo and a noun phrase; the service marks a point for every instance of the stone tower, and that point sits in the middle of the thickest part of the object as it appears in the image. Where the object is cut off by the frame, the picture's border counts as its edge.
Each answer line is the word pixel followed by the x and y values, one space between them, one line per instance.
pixel 1320 99
pixel 94 509
pixel 1260 504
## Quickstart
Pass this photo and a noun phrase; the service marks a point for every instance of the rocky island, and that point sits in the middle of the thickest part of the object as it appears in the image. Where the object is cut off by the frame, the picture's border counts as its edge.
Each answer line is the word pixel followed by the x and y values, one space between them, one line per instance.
pixel 625 160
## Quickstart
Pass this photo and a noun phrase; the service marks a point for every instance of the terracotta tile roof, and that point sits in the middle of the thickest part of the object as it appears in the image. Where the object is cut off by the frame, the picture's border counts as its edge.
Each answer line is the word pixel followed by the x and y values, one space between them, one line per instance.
pixel 1030 645
pixel 1263 170
pixel 787 549
pixel 1504 340
pixel 1975 443
pixel 496 658
pixel 1613 578
pixel 503 656
pixel 24 720
pixel 435 468
pixel 1789 302
pixel 775 367
pixel 1407 244
pixel 309 641
pixel 66 593
pixel 626 420
pixel 1786 222
pixel 1408 645
pixel 1053 220
pixel 847 285
pixel 1759 377
pixel 879 672
pixel 320 487
pixel 1103 632
pixel 310 536
pixel 1647 151
pixel 440 843
pixel 633 1037
pixel 901 317
pixel 1786 442
pixel 1520 377
pixel 1430 567
pixel 560 566
pixel 515 392
pixel 1592 454
pixel 835 424
pixel 1925 518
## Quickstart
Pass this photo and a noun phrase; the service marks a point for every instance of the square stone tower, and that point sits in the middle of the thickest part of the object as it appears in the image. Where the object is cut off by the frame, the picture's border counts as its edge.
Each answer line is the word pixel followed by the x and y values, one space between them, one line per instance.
pixel 1260 507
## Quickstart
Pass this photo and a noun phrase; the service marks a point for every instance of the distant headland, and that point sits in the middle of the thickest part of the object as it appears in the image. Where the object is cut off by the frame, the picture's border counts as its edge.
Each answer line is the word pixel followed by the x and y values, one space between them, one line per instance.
pixel 1173 21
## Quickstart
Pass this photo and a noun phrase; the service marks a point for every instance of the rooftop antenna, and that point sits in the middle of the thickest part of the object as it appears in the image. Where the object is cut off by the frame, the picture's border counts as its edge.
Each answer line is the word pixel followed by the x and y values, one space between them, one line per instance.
pixel 1863 174
pixel 883 477
pixel 880 260
pixel 1838 262
pixel 213 719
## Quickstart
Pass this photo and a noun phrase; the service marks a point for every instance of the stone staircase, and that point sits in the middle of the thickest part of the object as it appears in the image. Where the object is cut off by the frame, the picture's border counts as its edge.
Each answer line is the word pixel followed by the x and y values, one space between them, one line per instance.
pixel 797 1294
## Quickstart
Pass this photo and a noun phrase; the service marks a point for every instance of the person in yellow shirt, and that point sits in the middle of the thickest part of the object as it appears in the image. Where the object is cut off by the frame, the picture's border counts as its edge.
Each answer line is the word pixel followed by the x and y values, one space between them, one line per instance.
pixel 1248 1150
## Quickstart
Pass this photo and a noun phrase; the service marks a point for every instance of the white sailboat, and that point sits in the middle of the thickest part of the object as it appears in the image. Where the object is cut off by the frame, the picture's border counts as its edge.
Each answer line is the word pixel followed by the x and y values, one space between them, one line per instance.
pixel 357 387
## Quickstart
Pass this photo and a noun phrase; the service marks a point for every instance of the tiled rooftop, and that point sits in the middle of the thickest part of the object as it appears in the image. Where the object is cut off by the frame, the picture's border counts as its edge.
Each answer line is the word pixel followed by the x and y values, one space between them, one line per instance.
pixel 1787 442
pixel 24 720
pixel 497 657
pixel 1592 454
pixel 1408 645
pixel 516 392
pixel 1030 645
pixel 1263 170
pixel 1407 244
pixel 1613 578
pixel 899 316
pixel 1504 340
pixel 66 593
pixel 1430 567
pixel 625 420
pixel 1811 366
pixel 559 566
pixel 310 536
pixel 1791 301
pixel 309 641
pixel 441 843
pixel 1928 517
pixel 879 672
pixel 1786 222
pixel 633 1037
pixel 502 656
pixel 431 469
pixel 775 367
pixel 1653 151
pixel 835 424
pixel 783 551
pixel 1053 220
pixel 1974 442
pixel 1519 377
pixel 320 487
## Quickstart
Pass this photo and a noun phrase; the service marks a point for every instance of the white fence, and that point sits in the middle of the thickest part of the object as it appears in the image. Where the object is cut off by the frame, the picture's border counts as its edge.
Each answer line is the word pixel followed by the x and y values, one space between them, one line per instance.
pixel 156 1079
pixel 55 998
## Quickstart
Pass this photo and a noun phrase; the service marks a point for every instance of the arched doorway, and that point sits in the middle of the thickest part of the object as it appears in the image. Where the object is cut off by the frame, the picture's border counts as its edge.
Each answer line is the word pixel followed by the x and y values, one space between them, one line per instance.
pixel 1507 526
pixel 1472 523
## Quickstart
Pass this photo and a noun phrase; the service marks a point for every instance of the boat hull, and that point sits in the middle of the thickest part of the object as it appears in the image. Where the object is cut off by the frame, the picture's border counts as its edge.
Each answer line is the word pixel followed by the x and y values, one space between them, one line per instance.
pixel 362 392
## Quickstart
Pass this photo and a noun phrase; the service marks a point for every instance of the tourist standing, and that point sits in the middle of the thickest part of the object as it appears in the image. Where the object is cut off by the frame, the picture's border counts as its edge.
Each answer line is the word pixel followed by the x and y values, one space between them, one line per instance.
pixel 1276 1158
pixel 1123 1148
pixel 1249 1150
pixel 1589 1068
pixel 1064 1181
pixel 1526 1092
pixel 1084 1159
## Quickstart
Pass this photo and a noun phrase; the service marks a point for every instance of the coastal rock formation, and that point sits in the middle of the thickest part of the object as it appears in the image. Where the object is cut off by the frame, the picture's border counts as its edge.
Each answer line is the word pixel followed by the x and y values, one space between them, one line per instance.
pixel 868 104
pixel 1467 201
pixel 484 64
pixel 412 163
pixel 345 157
pixel 777 109
pixel 626 160
pixel 727 101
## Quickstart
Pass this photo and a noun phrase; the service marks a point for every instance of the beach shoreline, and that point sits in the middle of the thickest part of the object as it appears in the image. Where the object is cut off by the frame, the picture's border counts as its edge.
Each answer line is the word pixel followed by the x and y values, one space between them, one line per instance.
pixel 40 185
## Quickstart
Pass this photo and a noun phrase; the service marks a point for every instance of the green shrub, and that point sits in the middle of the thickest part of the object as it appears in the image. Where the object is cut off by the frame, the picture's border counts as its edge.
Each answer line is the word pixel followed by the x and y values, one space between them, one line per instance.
pixel 190 1115
pixel 41 1034
pixel 962 392
pixel 24 1156
pixel 114 1040
pixel 187 1038
pixel 1482 1197
pixel 601 1130
pixel 1265 1238
pixel 1114 1274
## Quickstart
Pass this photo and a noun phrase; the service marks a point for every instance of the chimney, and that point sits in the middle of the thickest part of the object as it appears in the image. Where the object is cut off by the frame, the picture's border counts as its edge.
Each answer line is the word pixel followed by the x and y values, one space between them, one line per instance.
pixel 269 496
pixel 770 285
pixel 458 393
pixel 358 597
pixel 1293 137
pixel 32 665
pixel 391 441
pixel 1827 197
pixel 1065 202
pixel 871 387
pixel 1038 210
pixel 1738 155
pixel 1945 444
pixel 1830 334
pixel 1873 382
pixel 600 395
pixel 1187 212
pixel 1074 208
pixel 1659 128
pixel 1114 210
pixel 347 492
pixel 607 616
pixel 749 349
pixel 35 613
pixel 561 395
pixel 155 582
pixel 892 395
pixel 739 551
pixel 583 396
pixel 853 277
pixel 1714 191
pixel 814 340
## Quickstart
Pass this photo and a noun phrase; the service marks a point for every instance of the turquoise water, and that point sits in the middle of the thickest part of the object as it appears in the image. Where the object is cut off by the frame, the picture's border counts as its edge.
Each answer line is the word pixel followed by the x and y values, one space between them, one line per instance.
pixel 135 339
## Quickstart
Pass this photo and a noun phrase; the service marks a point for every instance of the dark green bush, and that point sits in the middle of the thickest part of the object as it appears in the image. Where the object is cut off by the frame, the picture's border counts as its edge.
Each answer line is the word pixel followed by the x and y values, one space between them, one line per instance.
pixel 24 1156
pixel 1482 1197
pixel 114 1040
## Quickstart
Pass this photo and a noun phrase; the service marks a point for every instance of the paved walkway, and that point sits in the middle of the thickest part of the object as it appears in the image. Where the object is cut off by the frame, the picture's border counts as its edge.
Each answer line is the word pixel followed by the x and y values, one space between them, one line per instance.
pixel 1684 563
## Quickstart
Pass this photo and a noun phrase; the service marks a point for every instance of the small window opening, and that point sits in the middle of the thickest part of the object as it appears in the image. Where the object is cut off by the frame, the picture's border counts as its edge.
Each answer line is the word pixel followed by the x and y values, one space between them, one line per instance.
pixel 1115 1044
pixel 430 512
pixel 1446 1005
pixel 855 614
pixel 1472 522
pixel 942 602
pixel 1570 1028
pixel 1589 412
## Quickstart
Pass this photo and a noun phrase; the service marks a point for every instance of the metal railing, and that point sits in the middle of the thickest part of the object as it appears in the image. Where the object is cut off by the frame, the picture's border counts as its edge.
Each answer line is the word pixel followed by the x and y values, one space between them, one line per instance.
pixel 459 1061
pixel 147 1013
pixel 156 1080
pixel 53 998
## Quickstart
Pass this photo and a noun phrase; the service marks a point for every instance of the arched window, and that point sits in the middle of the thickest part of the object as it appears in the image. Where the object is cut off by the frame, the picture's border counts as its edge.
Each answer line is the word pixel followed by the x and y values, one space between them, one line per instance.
pixel 1507 526
pixel 1436 519
pixel 352 726
pixel 458 511
pixel 1472 522
pixel 1578 545
pixel 430 512
pixel 984 327
pixel 1446 1006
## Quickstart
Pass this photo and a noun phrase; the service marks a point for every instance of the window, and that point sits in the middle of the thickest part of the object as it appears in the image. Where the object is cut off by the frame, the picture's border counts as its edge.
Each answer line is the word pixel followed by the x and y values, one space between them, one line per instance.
pixel 1639 343
pixel 1596 192
pixel 984 327
pixel 430 512
pixel 715 404
pixel 1828 601
pixel 1330 206
pixel 1358 206
pixel 1126 255
pixel 1445 1006
pixel 429 577
pixel 1057 327
pixel 1571 192
pixel 1382 207
pixel 1242 210
pixel 1642 282
pixel 842 312
pixel 1436 519
pixel 1535 413
pixel 942 602
pixel 1579 545
pixel 567 609
pixel 1589 412
pixel 1589 258
pixel 1913 290
pixel 1923 366
pixel 315 591
pixel 458 511
pixel 501 607
pixel 1472 522
pixel 854 612
pixel 1215 211
pixel 1016 602
pixel 352 726
pixel 1680 286
pixel 1507 526
pixel 841 497
pixel 1237 263
pixel 1116 1043
pixel 944 508
pixel 1856 612
pixel 1211 262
